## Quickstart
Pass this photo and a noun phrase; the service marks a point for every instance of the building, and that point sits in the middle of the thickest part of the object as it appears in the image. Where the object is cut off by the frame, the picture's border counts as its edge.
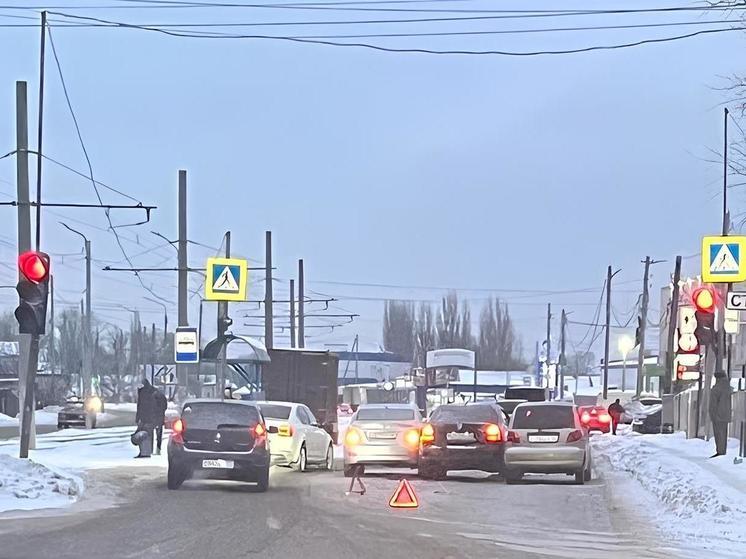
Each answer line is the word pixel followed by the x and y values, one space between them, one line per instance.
pixel 9 378
pixel 370 367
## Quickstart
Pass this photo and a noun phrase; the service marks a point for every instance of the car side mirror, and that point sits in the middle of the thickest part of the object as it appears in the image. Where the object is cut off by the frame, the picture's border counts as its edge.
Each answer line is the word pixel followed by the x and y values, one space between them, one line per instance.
pixel 272 429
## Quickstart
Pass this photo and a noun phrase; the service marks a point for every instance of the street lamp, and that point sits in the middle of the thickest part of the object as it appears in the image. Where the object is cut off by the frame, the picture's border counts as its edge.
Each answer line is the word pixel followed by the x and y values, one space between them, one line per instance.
pixel 625 344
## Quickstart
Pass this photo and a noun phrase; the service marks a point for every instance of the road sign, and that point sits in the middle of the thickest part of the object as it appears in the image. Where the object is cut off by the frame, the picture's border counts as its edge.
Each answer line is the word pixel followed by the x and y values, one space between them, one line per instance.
pixel 404 496
pixel 723 259
pixel 226 279
pixel 186 345
pixel 736 301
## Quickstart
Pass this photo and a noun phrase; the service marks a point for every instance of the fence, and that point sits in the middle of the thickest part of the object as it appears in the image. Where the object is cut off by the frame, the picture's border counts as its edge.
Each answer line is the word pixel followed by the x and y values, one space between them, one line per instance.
pixel 685 415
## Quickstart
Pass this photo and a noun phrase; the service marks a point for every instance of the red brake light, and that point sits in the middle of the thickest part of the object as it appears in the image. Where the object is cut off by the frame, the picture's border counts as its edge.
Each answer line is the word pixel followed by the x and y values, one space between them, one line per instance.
pixel 33 266
pixel 427 435
pixel 513 437
pixel 574 436
pixel 259 430
pixel 178 426
pixel 605 418
pixel 492 433
pixel 585 418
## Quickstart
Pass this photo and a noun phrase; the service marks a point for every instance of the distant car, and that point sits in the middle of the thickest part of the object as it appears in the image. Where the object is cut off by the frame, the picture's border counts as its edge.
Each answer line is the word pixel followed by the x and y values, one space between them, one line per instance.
pixel 528 393
pixel 595 418
pixel 547 438
pixel 227 439
pixel 470 437
pixel 295 437
pixel 382 435
pixel 77 413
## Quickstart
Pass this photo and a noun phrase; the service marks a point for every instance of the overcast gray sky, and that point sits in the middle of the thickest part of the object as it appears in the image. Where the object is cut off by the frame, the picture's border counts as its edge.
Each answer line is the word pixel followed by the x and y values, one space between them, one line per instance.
pixel 470 172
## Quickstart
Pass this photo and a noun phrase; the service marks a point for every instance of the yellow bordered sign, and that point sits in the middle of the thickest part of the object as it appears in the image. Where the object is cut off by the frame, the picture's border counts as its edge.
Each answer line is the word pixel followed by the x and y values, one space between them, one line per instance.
pixel 226 279
pixel 723 259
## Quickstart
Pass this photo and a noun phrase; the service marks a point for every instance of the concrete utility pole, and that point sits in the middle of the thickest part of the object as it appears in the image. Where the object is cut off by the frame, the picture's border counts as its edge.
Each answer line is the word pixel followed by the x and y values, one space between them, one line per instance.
pixel 28 426
pixel 223 328
pixel 609 275
pixel 268 309
pixel 643 327
pixel 301 300
pixel 182 371
pixel 561 362
pixel 41 127
pixel 549 342
pixel 292 313
pixel 671 333
pixel 51 357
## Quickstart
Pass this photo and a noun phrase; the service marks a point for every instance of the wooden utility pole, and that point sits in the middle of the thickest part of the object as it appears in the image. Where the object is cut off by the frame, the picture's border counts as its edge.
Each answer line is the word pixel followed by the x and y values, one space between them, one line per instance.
pixel 673 315
pixel 643 327
pixel 609 275
pixel 268 310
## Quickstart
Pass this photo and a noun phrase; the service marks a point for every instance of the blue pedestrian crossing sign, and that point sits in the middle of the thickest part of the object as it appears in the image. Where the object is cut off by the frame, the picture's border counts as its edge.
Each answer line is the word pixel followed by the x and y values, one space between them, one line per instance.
pixel 226 279
pixel 723 259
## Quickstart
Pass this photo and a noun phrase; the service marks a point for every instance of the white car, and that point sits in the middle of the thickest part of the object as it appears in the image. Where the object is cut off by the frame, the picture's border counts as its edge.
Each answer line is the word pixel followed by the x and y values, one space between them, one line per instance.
pixel 295 437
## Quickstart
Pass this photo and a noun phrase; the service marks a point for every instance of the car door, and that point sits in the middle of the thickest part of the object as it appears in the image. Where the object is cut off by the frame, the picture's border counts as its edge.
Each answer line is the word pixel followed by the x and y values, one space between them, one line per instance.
pixel 306 428
pixel 318 435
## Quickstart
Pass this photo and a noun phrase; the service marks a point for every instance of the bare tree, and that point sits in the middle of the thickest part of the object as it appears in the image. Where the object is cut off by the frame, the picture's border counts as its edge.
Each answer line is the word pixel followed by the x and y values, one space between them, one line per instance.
pixel 448 323
pixel 398 328
pixel 425 335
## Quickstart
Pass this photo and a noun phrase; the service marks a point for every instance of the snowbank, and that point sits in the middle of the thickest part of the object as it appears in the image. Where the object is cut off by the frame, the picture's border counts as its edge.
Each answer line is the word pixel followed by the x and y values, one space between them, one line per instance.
pixel 699 502
pixel 46 416
pixel 26 485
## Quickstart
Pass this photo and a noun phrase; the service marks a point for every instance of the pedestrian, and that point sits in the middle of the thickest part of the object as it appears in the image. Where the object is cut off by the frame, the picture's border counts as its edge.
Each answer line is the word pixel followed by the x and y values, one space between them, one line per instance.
pixel 615 411
pixel 146 417
pixel 161 405
pixel 720 412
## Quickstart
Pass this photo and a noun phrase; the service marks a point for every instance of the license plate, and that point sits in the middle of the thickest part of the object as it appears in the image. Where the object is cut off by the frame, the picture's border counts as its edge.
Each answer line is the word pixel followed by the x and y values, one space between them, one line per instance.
pixel 543 438
pixel 223 464
pixel 383 435
pixel 460 437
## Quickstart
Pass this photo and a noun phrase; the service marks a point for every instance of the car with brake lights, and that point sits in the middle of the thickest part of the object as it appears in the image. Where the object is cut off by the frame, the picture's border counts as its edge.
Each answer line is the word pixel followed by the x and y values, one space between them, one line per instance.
pixel 547 438
pixel 463 437
pixel 595 418
pixel 225 439
pixel 382 435
pixel 296 439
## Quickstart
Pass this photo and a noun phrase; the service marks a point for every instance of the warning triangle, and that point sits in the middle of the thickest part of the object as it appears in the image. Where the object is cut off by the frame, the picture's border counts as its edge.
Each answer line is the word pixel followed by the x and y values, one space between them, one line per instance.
pixel 404 496
pixel 225 281
pixel 724 261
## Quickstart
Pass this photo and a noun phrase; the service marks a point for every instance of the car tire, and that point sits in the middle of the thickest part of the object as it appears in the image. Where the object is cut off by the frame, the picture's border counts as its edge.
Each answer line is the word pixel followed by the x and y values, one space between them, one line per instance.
pixel 329 462
pixel 93 422
pixel 513 477
pixel 262 480
pixel 176 476
pixel 433 472
pixel 349 470
pixel 302 464
pixel 580 477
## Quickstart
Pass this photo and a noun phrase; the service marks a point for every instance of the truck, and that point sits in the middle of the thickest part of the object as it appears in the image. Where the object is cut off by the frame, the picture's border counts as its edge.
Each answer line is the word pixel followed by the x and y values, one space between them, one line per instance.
pixel 305 376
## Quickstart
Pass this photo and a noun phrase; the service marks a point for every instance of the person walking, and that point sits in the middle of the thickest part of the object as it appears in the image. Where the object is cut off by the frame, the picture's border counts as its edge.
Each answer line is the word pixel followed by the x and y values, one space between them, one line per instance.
pixel 161 405
pixel 720 412
pixel 146 418
pixel 615 411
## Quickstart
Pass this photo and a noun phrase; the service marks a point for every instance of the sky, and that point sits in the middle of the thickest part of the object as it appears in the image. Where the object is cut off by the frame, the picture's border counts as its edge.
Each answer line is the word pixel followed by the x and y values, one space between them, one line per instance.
pixel 509 176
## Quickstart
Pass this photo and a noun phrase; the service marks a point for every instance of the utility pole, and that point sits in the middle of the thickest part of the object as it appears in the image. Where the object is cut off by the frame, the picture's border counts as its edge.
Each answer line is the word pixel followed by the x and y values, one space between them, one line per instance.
pixel 41 128
pixel 292 313
pixel 152 355
pixel 549 341
pixel 223 323
pixel 561 362
pixel 51 358
pixel 182 371
pixel 643 327
pixel 671 332
pixel 725 172
pixel 301 298
pixel 25 357
pixel 609 275
pixel 268 325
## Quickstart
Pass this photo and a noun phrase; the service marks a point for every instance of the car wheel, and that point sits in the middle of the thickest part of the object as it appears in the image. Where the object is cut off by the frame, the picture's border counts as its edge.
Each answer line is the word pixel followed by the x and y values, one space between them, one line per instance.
pixel 350 470
pixel 513 477
pixel 262 481
pixel 176 476
pixel 433 472
pixel 302 465
pixel 329 464
pixel 93 422
pixel 580 477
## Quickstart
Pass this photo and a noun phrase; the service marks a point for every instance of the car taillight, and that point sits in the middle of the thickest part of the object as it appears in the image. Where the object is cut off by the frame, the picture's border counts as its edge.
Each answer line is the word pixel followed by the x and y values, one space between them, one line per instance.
pixel 427 435
pixel 412 438
pixel 492 433
pixel 605 418
pixel 178 429
pixel 259 430
pixel 353 437
pixel 574 436
pixel 585 418
pixel 513 437
pixel 285 430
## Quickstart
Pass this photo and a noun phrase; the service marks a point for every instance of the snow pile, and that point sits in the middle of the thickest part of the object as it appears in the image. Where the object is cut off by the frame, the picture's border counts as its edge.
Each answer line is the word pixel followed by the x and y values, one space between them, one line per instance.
pixel 26 485
pixel 46 416
pixel 7 421
pixel 703 500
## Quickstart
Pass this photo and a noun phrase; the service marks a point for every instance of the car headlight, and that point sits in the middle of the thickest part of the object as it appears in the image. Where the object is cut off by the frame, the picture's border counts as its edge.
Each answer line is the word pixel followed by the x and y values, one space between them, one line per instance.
pixel 95 404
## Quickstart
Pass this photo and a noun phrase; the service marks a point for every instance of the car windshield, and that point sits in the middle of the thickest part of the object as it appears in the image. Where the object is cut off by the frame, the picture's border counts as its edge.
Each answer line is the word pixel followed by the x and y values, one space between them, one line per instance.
pixel 208 415
pixel 275 411
pixel 543 417
pixel 385 414
pixel 465 414
pixel 530 394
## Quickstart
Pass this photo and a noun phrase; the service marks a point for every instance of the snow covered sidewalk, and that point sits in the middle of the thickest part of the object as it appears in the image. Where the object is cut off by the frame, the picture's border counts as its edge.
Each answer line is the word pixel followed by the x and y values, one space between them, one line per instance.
pixel 698 502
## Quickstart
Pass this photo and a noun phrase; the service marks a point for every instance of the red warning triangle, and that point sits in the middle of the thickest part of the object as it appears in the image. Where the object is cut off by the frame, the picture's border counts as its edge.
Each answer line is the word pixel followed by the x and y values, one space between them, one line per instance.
pixel 404 496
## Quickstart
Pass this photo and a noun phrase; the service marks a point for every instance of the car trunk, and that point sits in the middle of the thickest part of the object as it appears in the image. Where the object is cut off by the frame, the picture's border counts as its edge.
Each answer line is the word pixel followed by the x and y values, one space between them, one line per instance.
pixel 455 434
pixel 216 427
pixel 383 432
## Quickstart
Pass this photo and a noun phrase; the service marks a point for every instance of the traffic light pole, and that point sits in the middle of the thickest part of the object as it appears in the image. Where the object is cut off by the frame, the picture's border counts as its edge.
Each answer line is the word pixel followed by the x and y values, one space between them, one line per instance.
pixel 27 414
pixel 670 373
pixel 222 328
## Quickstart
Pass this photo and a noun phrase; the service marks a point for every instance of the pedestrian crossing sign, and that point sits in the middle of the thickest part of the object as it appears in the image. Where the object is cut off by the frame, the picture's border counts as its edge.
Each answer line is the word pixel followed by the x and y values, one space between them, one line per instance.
pixel 225 279
pixel 723 259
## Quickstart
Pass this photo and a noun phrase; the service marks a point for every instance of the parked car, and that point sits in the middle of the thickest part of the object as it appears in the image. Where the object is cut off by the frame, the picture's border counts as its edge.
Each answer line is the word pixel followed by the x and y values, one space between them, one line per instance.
pixel 638 409
pixel 382 435
pixel 79 413
pixel 295 436
pixel 547 438
pixel 226 439
pixel 595 418
pixel 470 437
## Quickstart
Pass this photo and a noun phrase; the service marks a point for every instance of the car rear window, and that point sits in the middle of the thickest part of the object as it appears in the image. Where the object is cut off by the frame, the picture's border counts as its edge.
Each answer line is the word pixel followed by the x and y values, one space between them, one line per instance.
pixel 385 414
pixel 208 415
pixel 530 394
pixel 543 417
pixel 464 414
pixel 274 411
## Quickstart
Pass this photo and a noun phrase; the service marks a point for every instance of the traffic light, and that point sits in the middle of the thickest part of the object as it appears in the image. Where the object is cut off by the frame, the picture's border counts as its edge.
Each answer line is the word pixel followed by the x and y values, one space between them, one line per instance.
pixel 32 288
pixel 704 300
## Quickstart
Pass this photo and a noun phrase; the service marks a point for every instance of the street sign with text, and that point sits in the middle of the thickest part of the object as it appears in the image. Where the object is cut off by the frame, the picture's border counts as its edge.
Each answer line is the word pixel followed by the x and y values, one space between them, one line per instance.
pixel 736 301
pixel 186 345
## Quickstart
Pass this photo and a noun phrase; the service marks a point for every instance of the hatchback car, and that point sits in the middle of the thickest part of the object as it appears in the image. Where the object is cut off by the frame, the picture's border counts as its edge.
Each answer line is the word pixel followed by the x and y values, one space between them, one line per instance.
pixel 77 413
pixel 547 438
pixel 467 437
pixel 295 437
pixel 225 439
pixel 382 435
pixel 595 418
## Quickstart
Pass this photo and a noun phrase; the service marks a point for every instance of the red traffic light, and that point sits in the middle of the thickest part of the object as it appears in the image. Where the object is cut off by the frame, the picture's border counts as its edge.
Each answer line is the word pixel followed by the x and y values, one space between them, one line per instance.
pixel 704 299
pixel 34 266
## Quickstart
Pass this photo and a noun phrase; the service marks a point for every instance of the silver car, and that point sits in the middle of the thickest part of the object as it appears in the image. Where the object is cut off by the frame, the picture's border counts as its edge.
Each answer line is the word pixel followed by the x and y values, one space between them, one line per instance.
pixel 547 438
pixel 382 435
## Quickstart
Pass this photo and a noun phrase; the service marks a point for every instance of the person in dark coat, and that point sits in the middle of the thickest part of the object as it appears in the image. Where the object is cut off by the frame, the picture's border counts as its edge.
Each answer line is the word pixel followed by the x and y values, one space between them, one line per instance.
pixel 720 412
pixel 161 405
pixel 146 417
pixel 615 411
